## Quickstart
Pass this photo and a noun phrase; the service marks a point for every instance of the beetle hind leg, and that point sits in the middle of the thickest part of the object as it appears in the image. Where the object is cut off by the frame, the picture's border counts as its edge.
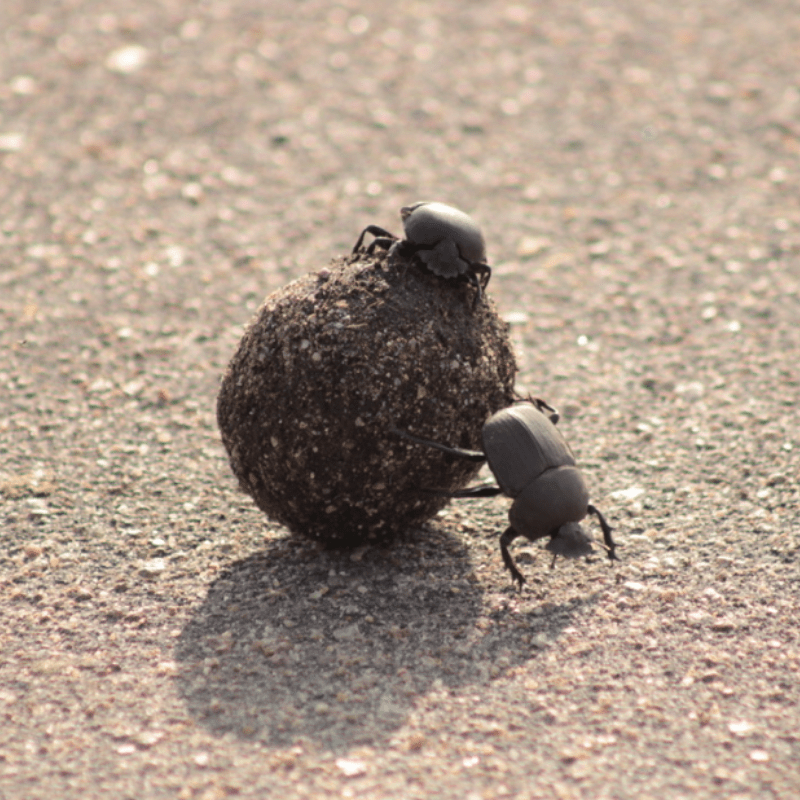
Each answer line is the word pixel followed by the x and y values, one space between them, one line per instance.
pixel 477 491
pixel 467 455
pixel 505 540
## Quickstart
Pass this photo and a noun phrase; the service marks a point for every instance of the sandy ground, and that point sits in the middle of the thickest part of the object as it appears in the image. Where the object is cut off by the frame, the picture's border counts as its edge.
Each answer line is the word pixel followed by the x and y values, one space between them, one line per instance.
pixel 634 166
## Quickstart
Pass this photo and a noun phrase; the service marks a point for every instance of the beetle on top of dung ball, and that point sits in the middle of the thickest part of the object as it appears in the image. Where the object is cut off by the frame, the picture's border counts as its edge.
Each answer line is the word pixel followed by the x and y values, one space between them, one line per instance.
pixel 442 239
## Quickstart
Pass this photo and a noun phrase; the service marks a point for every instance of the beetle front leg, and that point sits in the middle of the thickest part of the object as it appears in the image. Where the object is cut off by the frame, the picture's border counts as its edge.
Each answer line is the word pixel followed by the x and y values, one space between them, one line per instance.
pixel 610 546
pixel 485 272
pixel 505 540
pixel 543 406
pixel 382 238
pixel 472 280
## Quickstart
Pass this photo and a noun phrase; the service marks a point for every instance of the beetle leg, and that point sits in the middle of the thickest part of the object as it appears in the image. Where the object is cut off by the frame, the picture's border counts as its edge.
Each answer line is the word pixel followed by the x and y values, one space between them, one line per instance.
pixel 394 251
pixel 554 416
pixel 541 405
pixel 477 491
pixel 467 455
pixel 382 238
pixel 402 248
pixel 505 540
pixel 486 273
pixel 473 491
pixel 386 242
pixel 480 283
pixel 610 546
pixel 472 280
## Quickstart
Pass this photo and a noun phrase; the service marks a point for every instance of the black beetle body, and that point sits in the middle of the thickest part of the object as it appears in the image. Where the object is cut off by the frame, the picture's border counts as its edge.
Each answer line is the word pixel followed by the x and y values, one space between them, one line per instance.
pixel 444 240
pixel 534 465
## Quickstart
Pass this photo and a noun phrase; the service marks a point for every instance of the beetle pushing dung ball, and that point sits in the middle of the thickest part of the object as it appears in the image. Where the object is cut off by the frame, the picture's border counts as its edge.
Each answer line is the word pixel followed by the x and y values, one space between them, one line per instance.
pixel 334 360
pixel 534 465
pixel 338 366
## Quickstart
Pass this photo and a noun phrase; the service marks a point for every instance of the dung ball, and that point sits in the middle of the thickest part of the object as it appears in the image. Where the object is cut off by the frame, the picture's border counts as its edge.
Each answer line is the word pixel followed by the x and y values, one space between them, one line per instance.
pixel 329 365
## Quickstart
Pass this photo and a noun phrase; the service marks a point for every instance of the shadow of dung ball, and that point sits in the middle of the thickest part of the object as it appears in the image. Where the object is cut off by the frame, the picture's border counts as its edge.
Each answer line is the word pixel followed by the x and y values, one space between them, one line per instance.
pixel 334 360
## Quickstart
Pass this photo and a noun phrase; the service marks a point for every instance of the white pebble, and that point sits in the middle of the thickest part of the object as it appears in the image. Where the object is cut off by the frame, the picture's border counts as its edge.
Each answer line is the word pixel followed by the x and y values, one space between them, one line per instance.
pixel 128 59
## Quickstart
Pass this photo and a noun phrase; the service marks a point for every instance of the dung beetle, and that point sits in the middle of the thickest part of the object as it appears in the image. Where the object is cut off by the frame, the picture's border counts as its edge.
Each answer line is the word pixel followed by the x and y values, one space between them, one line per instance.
pixel 445 241
pixel 533 464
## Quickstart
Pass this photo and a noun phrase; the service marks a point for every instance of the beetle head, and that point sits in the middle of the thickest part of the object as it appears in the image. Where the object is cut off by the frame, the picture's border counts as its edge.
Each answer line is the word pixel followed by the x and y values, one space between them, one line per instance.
pixel 406 211
pixel 444 259
pixel 570 541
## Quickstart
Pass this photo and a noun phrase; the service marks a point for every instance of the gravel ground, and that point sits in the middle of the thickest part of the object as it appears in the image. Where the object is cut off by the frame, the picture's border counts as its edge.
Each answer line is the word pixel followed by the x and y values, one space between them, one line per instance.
pixel 634 167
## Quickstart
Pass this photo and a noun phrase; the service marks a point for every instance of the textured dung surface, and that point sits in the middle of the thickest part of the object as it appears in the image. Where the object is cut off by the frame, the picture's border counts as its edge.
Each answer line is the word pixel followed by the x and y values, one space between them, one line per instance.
pixel 332 362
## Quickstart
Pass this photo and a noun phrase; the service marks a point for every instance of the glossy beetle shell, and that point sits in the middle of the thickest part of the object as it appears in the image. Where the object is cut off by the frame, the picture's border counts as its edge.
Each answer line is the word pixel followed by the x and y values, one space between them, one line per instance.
pixel 456 237
pixel 556 497
pixel 521 443
pixel 534 465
